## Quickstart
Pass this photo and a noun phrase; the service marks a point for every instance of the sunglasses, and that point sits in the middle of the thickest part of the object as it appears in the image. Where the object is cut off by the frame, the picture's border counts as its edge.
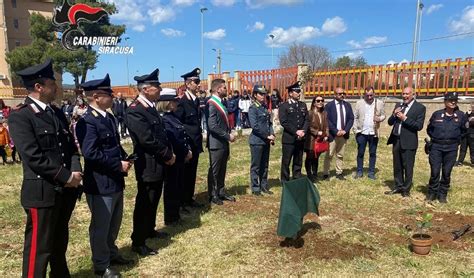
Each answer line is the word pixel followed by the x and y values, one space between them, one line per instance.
pixel 197 81
pixel 320 100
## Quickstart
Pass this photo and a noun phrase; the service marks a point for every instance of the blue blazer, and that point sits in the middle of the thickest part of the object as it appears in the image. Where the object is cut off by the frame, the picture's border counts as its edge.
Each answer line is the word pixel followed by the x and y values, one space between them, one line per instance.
pixel 100 145
pixel 332 119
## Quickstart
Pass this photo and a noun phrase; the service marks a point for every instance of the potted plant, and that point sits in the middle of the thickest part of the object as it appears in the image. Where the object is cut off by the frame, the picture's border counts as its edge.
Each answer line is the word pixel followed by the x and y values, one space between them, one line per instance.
pixel 421 241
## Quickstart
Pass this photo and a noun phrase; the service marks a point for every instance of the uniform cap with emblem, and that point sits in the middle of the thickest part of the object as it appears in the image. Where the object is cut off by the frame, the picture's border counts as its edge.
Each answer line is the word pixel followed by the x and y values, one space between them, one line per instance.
pixel 451 96
pixel 152 78
pixel 296 87
pixel 30 75
pixel 192 75
pixel 98 84
pixel 167 94
pixel 259 89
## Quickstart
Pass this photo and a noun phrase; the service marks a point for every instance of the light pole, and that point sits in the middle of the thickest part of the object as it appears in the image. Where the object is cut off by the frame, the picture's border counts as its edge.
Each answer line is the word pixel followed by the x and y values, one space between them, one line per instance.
pixel 128 74
pixel 202 41
pixel 219 60
pixel 272 37
pixel 416 39
pixel 172 69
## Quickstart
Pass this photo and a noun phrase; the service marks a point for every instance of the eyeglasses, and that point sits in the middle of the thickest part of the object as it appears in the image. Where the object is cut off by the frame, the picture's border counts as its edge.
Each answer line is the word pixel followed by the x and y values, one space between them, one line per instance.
pixel 320 100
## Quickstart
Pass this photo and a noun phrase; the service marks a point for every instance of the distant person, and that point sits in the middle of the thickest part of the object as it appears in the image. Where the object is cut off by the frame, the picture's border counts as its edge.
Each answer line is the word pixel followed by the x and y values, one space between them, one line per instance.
pixel 4 141
pixel 202 108
pixel 244 105
pixel 318 131
pixel 468 138
pixel 407 119
pixel 340 121
pixel 234 110
pixel 368 114
pixel 119 107
pixel 276 100
pixel 4 110
pixel 80 107
pixel 67 109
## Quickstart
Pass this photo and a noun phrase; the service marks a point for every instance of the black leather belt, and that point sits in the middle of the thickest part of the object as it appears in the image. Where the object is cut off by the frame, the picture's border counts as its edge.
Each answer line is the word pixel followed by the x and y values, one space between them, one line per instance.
pixel 445 142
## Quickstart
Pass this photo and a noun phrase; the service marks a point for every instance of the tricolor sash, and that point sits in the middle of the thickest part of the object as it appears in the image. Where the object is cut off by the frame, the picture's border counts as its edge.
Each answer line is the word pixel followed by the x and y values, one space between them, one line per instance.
pixel 221 108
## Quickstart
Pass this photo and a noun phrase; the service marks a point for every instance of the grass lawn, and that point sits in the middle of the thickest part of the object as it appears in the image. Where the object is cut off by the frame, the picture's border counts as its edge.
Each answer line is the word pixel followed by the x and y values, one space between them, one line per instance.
pixel 360 231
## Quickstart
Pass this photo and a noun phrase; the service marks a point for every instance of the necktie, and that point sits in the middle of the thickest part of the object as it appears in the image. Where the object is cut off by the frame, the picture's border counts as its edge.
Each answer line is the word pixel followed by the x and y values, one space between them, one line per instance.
pixel 342 116
pixel 398 123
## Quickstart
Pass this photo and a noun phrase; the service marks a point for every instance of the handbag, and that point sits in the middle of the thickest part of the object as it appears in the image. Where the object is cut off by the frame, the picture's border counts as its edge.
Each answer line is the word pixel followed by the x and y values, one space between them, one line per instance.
pixel 320 146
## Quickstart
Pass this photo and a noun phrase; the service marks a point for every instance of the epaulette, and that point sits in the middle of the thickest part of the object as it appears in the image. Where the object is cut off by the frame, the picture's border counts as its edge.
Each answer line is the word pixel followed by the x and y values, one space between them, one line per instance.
pixel 95 113
pixel 34 108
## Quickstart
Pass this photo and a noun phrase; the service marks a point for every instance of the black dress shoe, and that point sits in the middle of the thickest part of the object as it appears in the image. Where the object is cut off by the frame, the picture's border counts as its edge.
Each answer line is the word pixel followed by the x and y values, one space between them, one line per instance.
pixel 340 177
pixel 257 193
pixel 108 273
pixel 216 201
pixel 325 177
pixel 174 223
pixel 119 260
pixel 266 191
pixel 185 210
pixel 226 197
pixel 431 197
pixel 393 191
pixel 405 194
pixel 194 204
pixel 442 199
pixel 144 250
pixel 159 235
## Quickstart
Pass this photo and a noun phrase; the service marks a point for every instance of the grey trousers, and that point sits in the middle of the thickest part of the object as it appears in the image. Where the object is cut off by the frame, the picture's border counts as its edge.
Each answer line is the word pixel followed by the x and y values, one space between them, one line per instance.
pixel 105 224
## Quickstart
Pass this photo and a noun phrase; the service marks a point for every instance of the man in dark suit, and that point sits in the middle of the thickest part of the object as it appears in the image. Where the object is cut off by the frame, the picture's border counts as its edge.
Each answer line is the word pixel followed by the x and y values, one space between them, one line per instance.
pixel 340 121
pixel 51 173
pixel 119 107
pixel 218 140
pixel 407 119
pixel 105 166
pixel 154 151
pixel 189 114
pixel 294 118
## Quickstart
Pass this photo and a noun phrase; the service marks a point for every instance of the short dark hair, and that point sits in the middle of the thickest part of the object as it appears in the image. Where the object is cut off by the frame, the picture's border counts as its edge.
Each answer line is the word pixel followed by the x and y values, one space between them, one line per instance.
pixel 368 88
pixel 30 84
pixel 216 83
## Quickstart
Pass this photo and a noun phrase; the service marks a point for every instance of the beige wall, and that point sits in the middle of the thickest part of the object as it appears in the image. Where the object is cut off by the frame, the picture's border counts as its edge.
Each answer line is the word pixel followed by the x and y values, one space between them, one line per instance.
pixel 9 35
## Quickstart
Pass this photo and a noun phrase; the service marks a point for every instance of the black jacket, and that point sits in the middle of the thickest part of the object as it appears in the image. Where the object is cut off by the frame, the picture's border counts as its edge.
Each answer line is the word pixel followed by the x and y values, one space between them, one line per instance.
pixel 293 117
pixel 48 153
pixel 150 141
pixel 410 127
pixel 189 114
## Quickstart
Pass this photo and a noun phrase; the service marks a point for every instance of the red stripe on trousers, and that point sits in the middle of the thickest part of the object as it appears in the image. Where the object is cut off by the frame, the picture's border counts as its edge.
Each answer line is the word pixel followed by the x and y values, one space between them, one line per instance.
pixel 34 237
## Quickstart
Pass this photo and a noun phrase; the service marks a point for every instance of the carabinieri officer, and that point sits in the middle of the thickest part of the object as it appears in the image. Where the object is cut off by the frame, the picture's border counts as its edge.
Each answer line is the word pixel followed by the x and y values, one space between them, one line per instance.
pixel 446 127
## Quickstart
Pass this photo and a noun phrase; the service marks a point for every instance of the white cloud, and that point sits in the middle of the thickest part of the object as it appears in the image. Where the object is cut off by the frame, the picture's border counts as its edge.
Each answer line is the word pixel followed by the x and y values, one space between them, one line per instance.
pixel 215 35
pixel 465 23
pixel 433 8
pixel 161 14
pixel 138 28
pixel 392 62
pixel 223 3
pixel 254 4
pixel 257 26
pixel 291 35
pixel 183 3
pixel 355 54
pixel 368 42
pixel 334 26
pixel 169 32
pixel 354 44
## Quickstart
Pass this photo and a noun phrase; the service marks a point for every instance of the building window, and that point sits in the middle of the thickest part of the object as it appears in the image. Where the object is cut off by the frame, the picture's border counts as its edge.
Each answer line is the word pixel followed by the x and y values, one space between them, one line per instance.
pixel 17 43
pixel 15 23
pixel 14 4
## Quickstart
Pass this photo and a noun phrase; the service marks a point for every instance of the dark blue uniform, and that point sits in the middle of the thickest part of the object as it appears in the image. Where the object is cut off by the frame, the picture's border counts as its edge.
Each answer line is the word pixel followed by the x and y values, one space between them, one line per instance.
pixel 174 185
pixel 103 183
pixel 445 132
pixel 261 124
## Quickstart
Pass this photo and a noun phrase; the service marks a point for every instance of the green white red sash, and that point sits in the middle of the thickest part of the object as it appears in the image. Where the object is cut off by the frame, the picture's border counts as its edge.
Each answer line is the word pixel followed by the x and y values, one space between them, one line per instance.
pixel 221 108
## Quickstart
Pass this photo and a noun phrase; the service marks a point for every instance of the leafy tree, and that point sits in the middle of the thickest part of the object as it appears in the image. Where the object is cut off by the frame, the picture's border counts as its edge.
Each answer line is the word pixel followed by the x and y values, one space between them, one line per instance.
pixel 346 62
pixel 45 43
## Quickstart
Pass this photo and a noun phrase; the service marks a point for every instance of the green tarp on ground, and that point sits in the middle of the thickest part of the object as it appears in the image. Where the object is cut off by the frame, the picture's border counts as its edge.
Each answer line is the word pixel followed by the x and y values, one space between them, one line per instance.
pixel 299 197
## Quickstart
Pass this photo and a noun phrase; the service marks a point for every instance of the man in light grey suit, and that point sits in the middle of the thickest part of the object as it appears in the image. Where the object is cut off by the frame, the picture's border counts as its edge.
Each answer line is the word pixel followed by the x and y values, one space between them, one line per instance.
pixel 218 143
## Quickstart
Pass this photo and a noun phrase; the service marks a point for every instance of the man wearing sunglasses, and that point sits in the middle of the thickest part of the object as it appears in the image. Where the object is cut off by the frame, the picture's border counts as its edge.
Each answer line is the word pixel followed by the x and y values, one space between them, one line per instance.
pixel 340 121
pixel 368 115
pixel 189 114
pixel 445 128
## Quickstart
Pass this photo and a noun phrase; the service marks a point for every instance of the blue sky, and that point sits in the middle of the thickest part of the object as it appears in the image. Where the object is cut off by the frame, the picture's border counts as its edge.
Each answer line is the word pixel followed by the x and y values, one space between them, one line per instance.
pixel 167 34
